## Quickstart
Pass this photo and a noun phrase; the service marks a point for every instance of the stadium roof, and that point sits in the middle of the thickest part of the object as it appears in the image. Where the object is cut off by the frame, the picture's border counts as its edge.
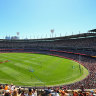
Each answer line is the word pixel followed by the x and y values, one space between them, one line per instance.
pixel 77 36
pixel 93 30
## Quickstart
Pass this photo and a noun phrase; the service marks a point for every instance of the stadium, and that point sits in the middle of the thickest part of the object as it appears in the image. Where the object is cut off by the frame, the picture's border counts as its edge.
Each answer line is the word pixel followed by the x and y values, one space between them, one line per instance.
pixel 47 48
pixel 46 56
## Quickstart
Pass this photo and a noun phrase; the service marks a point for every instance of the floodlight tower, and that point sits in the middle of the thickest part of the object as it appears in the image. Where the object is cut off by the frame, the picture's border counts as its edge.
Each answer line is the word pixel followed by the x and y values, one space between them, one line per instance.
pixel 18 34
pixel 52 31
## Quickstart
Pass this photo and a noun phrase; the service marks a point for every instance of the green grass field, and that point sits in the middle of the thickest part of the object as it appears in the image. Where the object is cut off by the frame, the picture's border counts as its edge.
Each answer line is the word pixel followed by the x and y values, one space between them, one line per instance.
pixel 28 69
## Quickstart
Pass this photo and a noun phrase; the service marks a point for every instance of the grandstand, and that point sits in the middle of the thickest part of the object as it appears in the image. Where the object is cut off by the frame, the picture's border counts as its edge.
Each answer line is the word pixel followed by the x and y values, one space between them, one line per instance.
pixel 72 47
pixel 84 44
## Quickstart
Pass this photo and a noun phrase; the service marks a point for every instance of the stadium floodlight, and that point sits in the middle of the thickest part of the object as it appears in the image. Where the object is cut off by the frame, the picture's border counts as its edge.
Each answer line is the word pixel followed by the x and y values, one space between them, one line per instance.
pixel 60 35
pixel 46 35
pixel 52 31
pixel 18 33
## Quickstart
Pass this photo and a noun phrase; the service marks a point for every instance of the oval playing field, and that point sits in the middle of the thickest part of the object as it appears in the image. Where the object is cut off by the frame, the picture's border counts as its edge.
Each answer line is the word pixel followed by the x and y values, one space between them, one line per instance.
pixel 28 69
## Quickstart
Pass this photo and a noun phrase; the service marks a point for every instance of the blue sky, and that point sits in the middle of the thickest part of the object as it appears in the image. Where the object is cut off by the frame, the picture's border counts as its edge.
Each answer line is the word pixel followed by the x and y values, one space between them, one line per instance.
pixel 35 18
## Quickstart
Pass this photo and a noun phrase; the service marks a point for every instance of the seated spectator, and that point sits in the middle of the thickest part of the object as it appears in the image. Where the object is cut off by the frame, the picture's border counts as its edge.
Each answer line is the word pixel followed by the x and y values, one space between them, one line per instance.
pixel 14 93
pixel 7 93
pixel 22 93
pixel 6 87
pixel 30 92
pixel 19 90
pixel 1 86
pixel 62 93
pixel 34 93
pixel 75 93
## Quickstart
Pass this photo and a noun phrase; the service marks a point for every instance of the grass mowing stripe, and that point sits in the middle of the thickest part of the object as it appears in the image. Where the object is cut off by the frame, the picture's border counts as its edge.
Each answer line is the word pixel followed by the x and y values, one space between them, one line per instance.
pixel 41 68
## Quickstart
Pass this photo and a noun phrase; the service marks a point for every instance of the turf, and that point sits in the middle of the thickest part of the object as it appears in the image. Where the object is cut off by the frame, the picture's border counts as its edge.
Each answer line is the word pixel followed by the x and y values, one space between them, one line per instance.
pixel 29 69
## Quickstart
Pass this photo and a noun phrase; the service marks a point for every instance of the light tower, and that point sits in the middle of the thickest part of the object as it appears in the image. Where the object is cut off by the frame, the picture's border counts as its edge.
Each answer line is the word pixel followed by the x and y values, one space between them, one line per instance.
pixel 18 34
pixel 52 31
